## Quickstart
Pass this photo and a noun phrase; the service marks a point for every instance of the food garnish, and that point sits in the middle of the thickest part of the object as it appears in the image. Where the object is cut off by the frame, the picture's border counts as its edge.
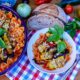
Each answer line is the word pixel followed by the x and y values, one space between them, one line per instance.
pixel 56 35
pixel 56 32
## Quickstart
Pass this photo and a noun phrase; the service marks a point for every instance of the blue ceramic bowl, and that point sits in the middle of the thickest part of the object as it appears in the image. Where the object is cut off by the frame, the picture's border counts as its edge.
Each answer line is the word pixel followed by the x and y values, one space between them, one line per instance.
pixel 25 32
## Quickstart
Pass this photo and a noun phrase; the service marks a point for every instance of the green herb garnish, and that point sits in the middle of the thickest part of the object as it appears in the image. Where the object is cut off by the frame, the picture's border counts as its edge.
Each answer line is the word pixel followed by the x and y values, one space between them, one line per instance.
pixel 61 46
pixel 53 38
pixel 56 32
pixel 59 30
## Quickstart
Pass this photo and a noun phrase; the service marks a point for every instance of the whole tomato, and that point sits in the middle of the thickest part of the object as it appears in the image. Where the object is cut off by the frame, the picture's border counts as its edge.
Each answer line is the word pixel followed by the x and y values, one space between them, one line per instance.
pixel 38 2
pixel 68 9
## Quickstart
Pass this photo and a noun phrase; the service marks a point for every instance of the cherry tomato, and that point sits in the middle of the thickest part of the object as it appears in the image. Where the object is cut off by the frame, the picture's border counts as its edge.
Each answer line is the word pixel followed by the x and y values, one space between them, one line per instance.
pixel 68 9
pixel 38 2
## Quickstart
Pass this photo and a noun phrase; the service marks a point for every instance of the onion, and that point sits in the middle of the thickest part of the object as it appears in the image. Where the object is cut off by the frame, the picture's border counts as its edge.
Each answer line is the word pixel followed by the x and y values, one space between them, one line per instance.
pixel 24 10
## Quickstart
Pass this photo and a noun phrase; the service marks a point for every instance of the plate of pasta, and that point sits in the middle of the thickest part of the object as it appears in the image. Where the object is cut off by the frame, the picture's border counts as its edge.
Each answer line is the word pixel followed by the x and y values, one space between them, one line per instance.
pixel 51 50
pixel 13 38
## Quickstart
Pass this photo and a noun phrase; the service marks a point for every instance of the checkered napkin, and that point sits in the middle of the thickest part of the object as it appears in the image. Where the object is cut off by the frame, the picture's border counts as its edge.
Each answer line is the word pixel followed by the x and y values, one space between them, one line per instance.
pixel 23 70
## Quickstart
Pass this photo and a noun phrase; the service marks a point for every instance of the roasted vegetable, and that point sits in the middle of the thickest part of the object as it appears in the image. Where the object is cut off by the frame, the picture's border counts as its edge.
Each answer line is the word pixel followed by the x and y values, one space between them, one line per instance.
pixel 52 64
pixel 5 38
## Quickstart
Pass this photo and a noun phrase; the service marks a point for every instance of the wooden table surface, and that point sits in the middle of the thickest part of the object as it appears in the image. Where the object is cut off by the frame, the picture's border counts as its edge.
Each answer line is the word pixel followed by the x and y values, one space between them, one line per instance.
pixel 3 77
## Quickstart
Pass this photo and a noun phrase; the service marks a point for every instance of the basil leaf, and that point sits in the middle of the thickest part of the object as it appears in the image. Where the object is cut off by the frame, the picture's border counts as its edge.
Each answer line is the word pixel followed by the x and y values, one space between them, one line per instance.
pixel 56 32
pixel 53 38
pixel 59 30
pixel 61 46
pixel 72 33
pixel 52 31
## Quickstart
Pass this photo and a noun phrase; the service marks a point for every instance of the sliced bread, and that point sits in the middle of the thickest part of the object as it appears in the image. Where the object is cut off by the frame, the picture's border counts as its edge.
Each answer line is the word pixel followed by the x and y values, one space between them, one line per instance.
pixel 43 20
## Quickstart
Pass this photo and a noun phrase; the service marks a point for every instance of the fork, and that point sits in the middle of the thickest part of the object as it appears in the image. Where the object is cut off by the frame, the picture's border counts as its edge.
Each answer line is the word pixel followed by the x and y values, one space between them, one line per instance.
pixel 71 68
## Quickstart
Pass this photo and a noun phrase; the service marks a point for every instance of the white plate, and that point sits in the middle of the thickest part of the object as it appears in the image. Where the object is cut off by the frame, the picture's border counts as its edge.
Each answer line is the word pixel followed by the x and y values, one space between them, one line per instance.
pixel 57 71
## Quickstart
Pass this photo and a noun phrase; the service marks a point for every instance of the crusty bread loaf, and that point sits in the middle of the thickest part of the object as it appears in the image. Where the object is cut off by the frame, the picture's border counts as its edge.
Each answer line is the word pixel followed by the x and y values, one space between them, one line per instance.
pixel 51 9
pixel 47 15
pixel 43 21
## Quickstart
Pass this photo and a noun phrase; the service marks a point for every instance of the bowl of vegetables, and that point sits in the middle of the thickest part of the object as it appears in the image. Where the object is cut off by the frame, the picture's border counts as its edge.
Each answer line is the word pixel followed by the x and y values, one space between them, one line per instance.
pixel 51 50
pixel 13 38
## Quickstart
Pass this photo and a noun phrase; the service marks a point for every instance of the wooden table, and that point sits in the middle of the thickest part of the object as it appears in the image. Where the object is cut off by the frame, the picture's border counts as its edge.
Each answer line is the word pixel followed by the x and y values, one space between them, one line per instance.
pixel 3 77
